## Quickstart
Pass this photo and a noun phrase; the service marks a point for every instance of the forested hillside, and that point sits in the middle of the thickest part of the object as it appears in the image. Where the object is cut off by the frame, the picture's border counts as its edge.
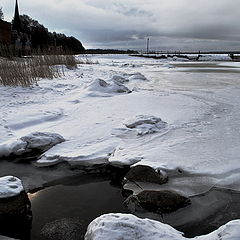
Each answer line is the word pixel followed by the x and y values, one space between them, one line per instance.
pixel 42 39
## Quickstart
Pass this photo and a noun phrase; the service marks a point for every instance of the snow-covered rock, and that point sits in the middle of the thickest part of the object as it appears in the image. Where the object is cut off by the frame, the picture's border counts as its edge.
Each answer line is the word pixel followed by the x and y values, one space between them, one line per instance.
pixel 15 208
pixel 99 85
pixel 120 79
pixel 137 76
pixel 37 141
pixel 146 124
pixel 142 173
pixel 10 186
pixel 129 227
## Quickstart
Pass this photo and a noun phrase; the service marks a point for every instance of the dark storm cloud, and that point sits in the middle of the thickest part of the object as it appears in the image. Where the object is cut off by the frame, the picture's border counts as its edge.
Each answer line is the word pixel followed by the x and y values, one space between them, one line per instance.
pixel 169 23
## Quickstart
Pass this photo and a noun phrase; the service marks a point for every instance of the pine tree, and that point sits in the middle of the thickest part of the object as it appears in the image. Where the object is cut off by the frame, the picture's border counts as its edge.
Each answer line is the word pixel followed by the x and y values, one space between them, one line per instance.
pixel 1 14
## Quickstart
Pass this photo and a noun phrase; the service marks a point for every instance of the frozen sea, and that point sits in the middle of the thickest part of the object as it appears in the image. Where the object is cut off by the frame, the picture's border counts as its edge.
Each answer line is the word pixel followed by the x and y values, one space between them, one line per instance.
pixel 196 141
pixel 180 117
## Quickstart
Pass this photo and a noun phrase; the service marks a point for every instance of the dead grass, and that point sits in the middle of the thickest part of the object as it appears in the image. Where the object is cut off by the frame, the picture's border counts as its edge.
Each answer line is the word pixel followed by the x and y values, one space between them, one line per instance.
pixel 27 71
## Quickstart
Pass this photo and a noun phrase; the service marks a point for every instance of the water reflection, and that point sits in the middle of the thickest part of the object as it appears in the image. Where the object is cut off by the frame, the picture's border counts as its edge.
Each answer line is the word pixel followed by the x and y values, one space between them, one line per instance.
pixel 73 207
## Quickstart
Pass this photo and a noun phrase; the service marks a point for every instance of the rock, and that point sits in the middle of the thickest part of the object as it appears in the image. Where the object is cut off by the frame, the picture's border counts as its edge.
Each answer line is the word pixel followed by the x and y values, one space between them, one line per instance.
pixel 15 209
pixel 157 201
pixel 119 79
pixel 16 205
pixel 102 83
pixel 62 229
pixel 143 119
pixel 146 124
pixel 142 173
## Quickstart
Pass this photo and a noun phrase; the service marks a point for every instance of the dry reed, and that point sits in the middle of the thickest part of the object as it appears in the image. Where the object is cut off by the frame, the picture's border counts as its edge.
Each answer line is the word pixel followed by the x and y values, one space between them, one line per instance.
pixel 27 71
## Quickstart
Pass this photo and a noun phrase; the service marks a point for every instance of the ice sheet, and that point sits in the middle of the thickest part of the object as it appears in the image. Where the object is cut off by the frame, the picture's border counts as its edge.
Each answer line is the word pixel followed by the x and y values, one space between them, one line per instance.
pixel 201 113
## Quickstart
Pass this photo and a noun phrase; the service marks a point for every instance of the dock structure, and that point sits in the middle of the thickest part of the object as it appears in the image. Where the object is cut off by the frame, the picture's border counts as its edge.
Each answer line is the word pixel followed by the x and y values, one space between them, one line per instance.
pixel 223 52
pixel 191 55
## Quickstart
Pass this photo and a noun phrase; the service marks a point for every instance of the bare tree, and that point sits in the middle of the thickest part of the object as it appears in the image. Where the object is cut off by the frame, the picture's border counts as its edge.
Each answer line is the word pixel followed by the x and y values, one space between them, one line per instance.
pixel 1 14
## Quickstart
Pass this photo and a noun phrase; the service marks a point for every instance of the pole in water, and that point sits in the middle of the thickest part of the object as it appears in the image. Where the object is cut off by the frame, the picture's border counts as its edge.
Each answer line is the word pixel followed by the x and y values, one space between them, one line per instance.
pixel 148 45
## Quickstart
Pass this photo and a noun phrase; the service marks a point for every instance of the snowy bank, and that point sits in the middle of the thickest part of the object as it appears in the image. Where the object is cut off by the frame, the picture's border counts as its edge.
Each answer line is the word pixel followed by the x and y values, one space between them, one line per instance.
pixel 201 112
pixel 129 227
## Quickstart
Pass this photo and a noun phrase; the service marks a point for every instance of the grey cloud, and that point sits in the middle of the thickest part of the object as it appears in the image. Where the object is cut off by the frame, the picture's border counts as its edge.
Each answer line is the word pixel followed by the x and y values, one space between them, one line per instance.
pixel 169 23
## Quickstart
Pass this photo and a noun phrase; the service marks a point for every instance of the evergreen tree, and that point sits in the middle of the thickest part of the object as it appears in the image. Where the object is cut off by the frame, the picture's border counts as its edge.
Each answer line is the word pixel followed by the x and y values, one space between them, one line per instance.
pixel 1 14
pixel 42 39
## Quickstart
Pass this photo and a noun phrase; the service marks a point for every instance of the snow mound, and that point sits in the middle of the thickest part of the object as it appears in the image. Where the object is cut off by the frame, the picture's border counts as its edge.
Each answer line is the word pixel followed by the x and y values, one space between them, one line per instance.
pixel 146 124
pixel 10 186
pixel 119 79
pixel 40 141
pixel 99 85
pixel 129 227
pixel 137 76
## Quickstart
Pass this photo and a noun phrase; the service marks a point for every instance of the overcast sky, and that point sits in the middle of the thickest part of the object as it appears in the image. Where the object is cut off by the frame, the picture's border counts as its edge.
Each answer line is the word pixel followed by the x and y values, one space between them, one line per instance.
pixel 170 24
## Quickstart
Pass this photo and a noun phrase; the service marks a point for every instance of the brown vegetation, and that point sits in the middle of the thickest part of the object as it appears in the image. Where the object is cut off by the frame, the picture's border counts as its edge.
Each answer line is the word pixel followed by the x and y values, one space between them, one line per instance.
pixel 27 71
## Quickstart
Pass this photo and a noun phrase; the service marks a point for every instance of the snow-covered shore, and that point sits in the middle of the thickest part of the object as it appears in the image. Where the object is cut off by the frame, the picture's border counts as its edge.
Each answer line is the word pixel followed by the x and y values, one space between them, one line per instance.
pixel 181 118
pixel 200 112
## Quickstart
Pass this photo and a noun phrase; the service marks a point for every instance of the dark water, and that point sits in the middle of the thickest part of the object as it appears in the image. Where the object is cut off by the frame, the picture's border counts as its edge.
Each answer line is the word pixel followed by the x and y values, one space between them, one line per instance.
pixel 207 212
pixel 69 209
pixel 64 212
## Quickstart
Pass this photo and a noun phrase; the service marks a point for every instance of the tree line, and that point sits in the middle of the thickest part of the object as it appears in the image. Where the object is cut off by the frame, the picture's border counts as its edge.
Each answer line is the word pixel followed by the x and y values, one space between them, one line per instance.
pixel 42 39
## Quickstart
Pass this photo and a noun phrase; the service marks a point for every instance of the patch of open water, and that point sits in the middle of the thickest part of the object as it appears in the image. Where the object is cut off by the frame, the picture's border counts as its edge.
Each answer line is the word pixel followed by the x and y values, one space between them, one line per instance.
pixel 64 211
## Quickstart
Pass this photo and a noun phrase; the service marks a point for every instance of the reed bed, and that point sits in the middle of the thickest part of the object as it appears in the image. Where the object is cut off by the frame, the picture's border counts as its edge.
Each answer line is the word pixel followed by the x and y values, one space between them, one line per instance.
pixel 25 72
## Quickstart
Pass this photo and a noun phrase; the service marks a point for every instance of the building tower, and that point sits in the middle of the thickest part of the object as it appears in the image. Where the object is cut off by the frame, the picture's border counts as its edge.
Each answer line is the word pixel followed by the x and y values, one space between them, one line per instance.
pixel 16 20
